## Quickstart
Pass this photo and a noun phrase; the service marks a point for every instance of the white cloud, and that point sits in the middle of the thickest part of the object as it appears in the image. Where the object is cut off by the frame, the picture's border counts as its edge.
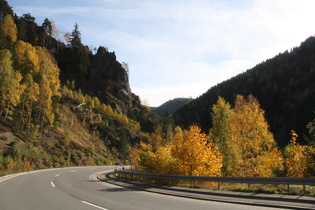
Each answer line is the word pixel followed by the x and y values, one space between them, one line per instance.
pixel 183 47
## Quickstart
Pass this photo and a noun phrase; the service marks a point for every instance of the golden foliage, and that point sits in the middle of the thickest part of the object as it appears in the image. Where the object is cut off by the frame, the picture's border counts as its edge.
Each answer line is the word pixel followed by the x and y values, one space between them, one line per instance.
pixel 164 162
pixel 220 116
pixel 194 155
pixel 189 154
pixel 8 28
pixel 10 87
pixel 27 58
pixel 299 160
pixel 251 146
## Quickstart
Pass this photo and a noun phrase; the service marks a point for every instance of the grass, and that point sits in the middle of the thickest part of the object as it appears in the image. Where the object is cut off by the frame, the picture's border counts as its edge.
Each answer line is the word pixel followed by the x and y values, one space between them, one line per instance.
pixel 253 188
pixel 269 189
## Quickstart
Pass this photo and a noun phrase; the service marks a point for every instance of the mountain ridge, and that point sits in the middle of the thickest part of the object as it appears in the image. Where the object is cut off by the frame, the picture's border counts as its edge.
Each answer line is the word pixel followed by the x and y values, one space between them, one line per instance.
pixel 172 105
pixel 284 86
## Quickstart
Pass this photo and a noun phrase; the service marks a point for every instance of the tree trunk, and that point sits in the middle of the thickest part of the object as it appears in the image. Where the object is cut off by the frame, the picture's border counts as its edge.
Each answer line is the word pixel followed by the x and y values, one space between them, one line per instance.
pixel 7 112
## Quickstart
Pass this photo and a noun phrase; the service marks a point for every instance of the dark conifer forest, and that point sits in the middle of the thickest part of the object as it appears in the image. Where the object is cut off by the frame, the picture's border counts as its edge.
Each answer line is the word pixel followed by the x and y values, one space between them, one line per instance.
pixel 284 86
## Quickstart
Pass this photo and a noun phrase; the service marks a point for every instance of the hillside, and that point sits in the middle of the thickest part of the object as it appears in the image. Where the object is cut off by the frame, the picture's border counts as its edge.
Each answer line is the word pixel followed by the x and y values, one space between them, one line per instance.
pixel 60 104
pixel 171 105
pixel 284 86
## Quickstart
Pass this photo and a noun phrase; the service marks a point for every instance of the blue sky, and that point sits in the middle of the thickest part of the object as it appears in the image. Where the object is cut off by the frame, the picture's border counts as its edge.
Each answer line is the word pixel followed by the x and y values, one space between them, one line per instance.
pixel 181 48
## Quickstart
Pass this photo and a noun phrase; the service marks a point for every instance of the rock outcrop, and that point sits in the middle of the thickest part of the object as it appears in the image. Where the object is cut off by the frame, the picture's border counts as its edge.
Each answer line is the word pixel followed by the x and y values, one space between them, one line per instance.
pixel 112 80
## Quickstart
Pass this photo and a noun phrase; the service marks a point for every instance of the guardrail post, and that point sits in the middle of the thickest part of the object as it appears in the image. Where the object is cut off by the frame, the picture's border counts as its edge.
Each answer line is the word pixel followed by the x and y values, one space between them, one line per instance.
pixel 304 189
pixel 218 185
pixel 248 186
pixel 288 188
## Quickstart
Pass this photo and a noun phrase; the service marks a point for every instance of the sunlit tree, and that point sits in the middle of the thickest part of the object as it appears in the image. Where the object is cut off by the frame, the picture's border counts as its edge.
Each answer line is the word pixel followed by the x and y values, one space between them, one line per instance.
pixel 9 28
pixel 299 160
pixel 221 113
pixel 194 155
pixel 49 85
pixel 251 146
pixel 27 58
pixel 10 87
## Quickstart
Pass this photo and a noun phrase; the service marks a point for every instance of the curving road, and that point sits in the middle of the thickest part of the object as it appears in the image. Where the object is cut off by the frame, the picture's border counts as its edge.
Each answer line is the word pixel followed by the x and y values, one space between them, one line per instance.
pixel 78 188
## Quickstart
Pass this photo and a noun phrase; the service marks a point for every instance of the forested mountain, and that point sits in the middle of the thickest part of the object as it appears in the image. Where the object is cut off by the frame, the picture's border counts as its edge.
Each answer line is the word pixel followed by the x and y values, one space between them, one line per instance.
pixel 284 86
pixel 171 105
pixel 60 104
pixel 63 104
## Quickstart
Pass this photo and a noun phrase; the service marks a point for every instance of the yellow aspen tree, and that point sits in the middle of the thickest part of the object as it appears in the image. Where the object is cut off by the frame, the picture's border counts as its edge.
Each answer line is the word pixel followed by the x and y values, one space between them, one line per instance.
pixel 28 99
pixel 10 87
pixel 164 162
pixel 146 158
pixel 251 143
pixel 27 58
pixel 9 28
pixel 45 103
pixel 296 161
pixel 49 85
pixel 220 116
pixel 49 69
pixel 134 157
pixel 194 155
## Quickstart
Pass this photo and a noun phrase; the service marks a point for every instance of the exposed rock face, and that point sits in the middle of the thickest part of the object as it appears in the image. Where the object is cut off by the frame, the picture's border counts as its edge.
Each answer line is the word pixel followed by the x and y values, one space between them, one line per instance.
pixel 107 68
pixel 113 81
pixel 108 80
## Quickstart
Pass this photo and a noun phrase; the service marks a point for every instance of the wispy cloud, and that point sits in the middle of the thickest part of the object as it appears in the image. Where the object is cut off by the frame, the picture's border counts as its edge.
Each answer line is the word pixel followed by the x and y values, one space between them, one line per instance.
pixel 182 47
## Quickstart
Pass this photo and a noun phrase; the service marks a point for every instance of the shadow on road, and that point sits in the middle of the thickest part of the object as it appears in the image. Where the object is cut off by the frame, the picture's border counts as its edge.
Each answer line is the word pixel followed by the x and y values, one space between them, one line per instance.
pixel 118 189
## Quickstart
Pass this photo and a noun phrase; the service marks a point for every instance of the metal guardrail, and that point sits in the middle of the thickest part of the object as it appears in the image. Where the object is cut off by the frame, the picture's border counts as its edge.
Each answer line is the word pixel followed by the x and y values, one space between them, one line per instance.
pixel 249 180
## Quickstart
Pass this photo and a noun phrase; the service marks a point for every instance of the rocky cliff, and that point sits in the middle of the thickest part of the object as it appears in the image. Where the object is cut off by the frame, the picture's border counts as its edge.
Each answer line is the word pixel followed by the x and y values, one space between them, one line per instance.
pixel 107 79
pixel 110 81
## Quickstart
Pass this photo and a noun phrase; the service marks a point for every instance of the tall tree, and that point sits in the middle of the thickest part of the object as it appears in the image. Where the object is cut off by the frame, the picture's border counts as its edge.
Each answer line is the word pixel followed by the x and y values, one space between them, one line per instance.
pixel 5 9
pixel 27 59
pixel 49 85
pixel 76 37
pixel 48 29
pixel 80 60
pixel 221 114
pixel 28 29
pixel 47 26
pixel 10 88
pixel 28 99
pixel 252 149
pixel 168 125
pixel 9 28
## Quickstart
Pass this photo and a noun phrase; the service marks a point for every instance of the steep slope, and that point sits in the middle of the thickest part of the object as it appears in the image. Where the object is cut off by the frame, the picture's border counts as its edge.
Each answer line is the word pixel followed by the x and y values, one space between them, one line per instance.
pixel 284 86
pixel 61 105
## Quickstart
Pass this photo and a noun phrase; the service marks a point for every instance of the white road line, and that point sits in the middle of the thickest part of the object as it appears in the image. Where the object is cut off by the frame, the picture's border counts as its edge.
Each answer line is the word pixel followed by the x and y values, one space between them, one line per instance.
pixel 94 205
pixel 52 184
pixel 10 176
pixel 90 177
pixel 57 175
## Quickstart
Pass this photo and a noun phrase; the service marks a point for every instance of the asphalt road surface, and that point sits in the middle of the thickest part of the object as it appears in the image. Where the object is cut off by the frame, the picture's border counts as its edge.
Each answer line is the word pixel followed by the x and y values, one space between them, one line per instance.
pixel 78 188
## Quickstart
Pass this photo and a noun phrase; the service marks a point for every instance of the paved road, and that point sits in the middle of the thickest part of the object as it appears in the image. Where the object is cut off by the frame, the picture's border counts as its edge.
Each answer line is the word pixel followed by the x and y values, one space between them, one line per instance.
pixel 78 188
